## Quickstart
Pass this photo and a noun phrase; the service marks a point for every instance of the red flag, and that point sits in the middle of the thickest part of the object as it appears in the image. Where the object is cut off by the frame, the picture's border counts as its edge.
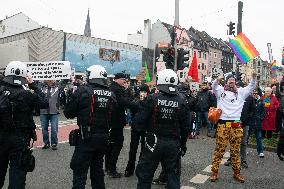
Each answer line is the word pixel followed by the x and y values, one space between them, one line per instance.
pixel 193 70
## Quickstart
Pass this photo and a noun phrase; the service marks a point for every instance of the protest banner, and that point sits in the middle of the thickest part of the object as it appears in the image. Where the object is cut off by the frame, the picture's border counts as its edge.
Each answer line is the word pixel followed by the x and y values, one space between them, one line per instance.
pixel 54 70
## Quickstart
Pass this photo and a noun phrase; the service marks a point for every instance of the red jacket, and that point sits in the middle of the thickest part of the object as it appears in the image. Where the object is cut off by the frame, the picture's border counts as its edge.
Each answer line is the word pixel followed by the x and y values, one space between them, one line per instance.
pixel 268 123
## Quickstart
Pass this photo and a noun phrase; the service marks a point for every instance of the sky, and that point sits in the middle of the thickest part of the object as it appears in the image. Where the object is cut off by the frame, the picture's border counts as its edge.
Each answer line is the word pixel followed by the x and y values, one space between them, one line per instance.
pixel 114 19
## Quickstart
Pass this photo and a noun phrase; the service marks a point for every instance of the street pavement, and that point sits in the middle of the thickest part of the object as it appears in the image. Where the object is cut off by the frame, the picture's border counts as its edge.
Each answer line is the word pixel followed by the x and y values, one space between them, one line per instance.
pixel 52 167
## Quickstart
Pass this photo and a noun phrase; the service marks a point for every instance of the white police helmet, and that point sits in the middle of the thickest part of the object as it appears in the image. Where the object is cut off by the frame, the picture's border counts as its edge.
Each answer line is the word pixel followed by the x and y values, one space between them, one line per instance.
pixel 16 73
pixel 167 81
pixel 97 74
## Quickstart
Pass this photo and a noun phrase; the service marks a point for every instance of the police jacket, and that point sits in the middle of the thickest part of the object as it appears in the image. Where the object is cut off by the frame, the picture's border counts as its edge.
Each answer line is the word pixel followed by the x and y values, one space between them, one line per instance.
pixel 118 116
pixel 22 102
pixel 165 115
pixel 92 105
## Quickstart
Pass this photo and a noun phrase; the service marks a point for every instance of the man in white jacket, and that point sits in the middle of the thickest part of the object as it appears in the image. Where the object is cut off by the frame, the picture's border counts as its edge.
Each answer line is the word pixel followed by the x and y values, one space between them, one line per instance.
pixel 230 100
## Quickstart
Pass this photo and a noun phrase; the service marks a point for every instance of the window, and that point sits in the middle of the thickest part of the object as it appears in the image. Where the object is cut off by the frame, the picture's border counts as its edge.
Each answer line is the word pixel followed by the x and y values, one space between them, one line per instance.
pixel 215 55
pixel 210 54
pixel 198 66
pixel 258 77
pixel 202 66
pixel 180 74
pixel 204 56
pixel 199 54
pixel 258 71
pixel 258 63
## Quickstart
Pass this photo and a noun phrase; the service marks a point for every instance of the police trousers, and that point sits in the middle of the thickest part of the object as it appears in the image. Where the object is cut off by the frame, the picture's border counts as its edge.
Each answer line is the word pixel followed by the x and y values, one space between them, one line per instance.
pixel 116 139
pixel 225 135
pixel 166 152
pixel 12 146
pixel 89 154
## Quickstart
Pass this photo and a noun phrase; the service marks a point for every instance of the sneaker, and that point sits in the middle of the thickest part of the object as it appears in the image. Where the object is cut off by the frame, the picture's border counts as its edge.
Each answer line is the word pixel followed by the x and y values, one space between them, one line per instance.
pixel 261 155
pixel 46 146
pixel 244 164
pixel 114 174
pixel 158 182
pixel 54 147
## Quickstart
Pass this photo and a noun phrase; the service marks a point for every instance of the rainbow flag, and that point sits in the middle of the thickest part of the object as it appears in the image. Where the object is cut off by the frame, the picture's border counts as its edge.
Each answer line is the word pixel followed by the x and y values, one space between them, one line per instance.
pixel 243 48
pixel 273 65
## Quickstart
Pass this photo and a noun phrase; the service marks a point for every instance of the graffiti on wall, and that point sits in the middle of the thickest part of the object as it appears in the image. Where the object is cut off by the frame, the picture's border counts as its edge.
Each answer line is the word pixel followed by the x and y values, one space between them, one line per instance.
pixel 115 60
pixel 109 55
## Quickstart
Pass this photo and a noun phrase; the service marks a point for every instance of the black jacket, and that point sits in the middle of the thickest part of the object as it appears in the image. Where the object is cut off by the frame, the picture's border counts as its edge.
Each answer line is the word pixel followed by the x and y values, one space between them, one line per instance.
pixel 123 102
pixel 91 111
pixel 248 111
pixel 165 115
pixel 204 100
pixel 24 102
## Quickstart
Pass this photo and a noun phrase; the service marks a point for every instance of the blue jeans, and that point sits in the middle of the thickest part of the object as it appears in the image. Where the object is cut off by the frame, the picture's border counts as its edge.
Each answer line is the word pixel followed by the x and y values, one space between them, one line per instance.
pixel 258 137
pixel 53 119
pixel 128 117
pixel 202 118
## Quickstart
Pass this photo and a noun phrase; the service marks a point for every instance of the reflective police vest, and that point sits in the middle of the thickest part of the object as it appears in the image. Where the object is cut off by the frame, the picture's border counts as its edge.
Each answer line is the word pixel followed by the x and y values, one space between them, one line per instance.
pixel 165 121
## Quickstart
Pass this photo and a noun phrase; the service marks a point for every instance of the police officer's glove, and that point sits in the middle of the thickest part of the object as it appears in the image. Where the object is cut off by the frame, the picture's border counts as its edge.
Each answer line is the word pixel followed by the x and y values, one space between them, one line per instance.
pixel 34 136
pixel 280 148
pixel 183 150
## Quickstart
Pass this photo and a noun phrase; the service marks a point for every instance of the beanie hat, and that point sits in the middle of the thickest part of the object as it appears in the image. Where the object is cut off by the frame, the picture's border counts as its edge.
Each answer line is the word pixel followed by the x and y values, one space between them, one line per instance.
pixel 229 76
pixel 144 88
pixel 120 76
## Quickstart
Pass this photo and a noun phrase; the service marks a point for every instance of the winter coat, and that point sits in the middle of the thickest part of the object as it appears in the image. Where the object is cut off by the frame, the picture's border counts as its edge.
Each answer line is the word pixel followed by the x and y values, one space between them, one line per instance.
pixel 258 116
pixel 269 121
pixel 118 117
pixel 204 101
pixel 248 111
pixel 54 99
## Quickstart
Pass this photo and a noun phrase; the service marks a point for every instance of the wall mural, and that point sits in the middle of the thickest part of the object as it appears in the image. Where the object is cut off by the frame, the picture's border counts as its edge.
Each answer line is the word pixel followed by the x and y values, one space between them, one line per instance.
pixel 115 60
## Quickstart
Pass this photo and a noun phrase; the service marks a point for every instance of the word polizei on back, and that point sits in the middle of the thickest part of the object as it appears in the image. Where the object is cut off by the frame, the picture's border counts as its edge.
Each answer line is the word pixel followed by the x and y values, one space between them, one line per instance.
pixel 168 103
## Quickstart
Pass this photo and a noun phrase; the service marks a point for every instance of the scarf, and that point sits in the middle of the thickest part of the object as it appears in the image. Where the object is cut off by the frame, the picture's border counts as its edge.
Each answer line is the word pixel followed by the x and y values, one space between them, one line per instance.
pixel 266 102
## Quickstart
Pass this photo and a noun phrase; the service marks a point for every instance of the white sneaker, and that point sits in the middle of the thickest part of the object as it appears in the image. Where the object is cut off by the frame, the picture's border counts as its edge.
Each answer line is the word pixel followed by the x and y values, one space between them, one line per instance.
pixel 261 155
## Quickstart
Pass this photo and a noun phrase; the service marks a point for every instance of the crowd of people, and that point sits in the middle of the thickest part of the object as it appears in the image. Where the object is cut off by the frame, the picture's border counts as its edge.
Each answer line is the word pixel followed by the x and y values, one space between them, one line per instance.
pixel 162 118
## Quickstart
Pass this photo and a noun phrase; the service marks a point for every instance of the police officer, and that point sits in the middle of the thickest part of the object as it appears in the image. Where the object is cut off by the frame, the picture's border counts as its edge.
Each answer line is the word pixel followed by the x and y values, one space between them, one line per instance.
pixel 164 119
pixel 118 122
pixel 92 105
pixel 17 126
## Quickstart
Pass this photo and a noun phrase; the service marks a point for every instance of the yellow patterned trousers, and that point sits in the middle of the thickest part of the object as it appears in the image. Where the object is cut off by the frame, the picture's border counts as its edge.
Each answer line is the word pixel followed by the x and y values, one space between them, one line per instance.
pixel 225 135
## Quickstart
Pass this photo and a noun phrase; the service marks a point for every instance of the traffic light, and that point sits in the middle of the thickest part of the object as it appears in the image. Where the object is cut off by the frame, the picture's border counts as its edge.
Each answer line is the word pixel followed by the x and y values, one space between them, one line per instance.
pixel 169 57
pixel 231 28
pixel 181 58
